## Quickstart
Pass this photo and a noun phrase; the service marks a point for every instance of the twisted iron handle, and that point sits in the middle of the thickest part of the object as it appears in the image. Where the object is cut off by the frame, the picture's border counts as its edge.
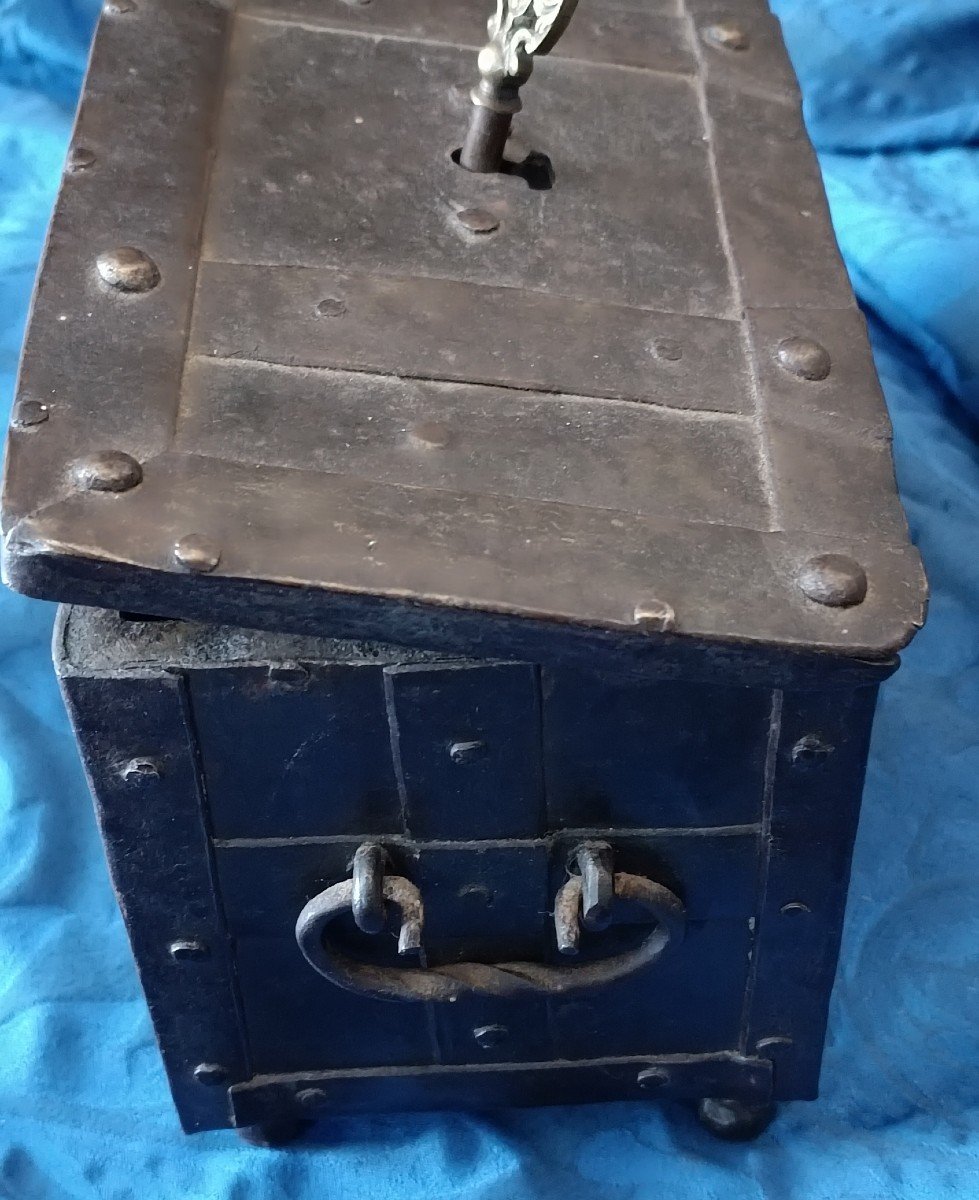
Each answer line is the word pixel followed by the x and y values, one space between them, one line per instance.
pixel 448 983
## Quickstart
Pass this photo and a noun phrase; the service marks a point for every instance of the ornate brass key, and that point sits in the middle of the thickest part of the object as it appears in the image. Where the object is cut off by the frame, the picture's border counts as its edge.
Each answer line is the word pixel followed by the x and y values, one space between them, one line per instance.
pixel 518 30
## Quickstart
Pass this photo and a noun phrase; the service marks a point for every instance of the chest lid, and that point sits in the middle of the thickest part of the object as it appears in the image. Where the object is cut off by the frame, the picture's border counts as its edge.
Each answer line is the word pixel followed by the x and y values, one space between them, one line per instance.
pixel 291 365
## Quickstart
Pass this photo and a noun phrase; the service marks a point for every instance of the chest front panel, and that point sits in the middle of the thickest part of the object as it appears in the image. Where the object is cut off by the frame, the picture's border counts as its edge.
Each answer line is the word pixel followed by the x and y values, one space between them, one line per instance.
pixel 479 780
pixel 480 783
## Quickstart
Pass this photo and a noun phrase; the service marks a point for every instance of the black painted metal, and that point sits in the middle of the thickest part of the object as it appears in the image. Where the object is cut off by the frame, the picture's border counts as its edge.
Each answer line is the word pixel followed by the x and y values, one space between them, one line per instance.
pixel 154 825
pixel 763 910
pixel 482 1086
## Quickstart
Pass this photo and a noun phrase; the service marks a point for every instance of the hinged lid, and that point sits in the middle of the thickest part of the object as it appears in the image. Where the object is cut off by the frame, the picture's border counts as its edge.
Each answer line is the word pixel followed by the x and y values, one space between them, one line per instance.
pixel 291 365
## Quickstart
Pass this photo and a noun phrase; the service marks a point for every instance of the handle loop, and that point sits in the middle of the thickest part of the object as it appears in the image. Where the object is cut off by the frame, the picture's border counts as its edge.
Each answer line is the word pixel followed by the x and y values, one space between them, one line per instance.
pixel 449 982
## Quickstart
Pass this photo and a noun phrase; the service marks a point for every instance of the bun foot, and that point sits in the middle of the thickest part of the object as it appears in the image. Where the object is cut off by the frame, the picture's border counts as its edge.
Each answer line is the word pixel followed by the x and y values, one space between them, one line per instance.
pixel 733 1120
pixel 272 1134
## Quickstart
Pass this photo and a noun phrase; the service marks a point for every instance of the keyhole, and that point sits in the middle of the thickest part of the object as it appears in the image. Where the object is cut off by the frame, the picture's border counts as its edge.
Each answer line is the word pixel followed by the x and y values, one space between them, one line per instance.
pixel 536 170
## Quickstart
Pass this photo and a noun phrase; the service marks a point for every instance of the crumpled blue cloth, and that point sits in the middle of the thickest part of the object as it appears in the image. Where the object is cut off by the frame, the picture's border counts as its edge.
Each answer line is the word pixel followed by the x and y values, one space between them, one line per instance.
pixel 892 99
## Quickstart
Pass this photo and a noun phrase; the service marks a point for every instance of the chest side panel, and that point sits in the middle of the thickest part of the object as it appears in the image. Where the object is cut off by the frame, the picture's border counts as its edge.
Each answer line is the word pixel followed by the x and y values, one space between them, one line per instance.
pixel 812 809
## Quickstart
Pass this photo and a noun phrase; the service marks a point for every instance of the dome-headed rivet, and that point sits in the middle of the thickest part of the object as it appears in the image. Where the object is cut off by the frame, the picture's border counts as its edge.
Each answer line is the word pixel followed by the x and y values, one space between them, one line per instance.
pixel 655 615
pixel 462 753
pixel 196 552
pixel 431 435
pixel 29 413
pixel 478 220
pixel 834 580
pixel 810 751
pixel 476 892
pixel 653 1078
pixel 107 471
pixel 777 1040
pixel 331 307
pixel 211 1074
pixel 188 950
pixel 488 1037
pixel 804 358
pixel 668 350
pixel 141 770
pixel 128 270
pixel 293 677
pixel 311 1099
pixel 727 36
pixel 80 158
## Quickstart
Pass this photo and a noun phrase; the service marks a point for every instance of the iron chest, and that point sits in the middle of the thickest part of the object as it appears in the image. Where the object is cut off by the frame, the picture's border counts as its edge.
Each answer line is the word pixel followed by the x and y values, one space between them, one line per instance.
pixel 484 545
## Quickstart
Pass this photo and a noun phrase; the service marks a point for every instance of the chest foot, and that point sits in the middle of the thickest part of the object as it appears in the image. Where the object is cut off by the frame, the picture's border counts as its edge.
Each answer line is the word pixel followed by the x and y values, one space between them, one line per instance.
pixel 733 1120
pixel 270 1135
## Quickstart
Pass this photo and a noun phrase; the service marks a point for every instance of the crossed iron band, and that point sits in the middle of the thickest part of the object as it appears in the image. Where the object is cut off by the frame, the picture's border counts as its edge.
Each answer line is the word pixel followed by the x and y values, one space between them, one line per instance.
pixel 519 30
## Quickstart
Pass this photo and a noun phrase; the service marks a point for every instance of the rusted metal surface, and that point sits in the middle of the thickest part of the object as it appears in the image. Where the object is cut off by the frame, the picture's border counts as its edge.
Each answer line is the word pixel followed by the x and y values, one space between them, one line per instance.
pixel 576 903
pixel 543 559
pixel 645 384
pixel 367 888
pixel 323 319
pixel 647 34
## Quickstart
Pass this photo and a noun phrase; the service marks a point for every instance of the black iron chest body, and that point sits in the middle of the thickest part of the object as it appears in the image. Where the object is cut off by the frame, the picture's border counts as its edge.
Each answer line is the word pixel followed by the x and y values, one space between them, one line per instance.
pixel 562 497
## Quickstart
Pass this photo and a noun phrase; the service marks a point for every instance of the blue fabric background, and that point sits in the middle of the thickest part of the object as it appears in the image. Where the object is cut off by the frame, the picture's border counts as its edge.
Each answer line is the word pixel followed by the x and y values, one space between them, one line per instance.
pixel 892 100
